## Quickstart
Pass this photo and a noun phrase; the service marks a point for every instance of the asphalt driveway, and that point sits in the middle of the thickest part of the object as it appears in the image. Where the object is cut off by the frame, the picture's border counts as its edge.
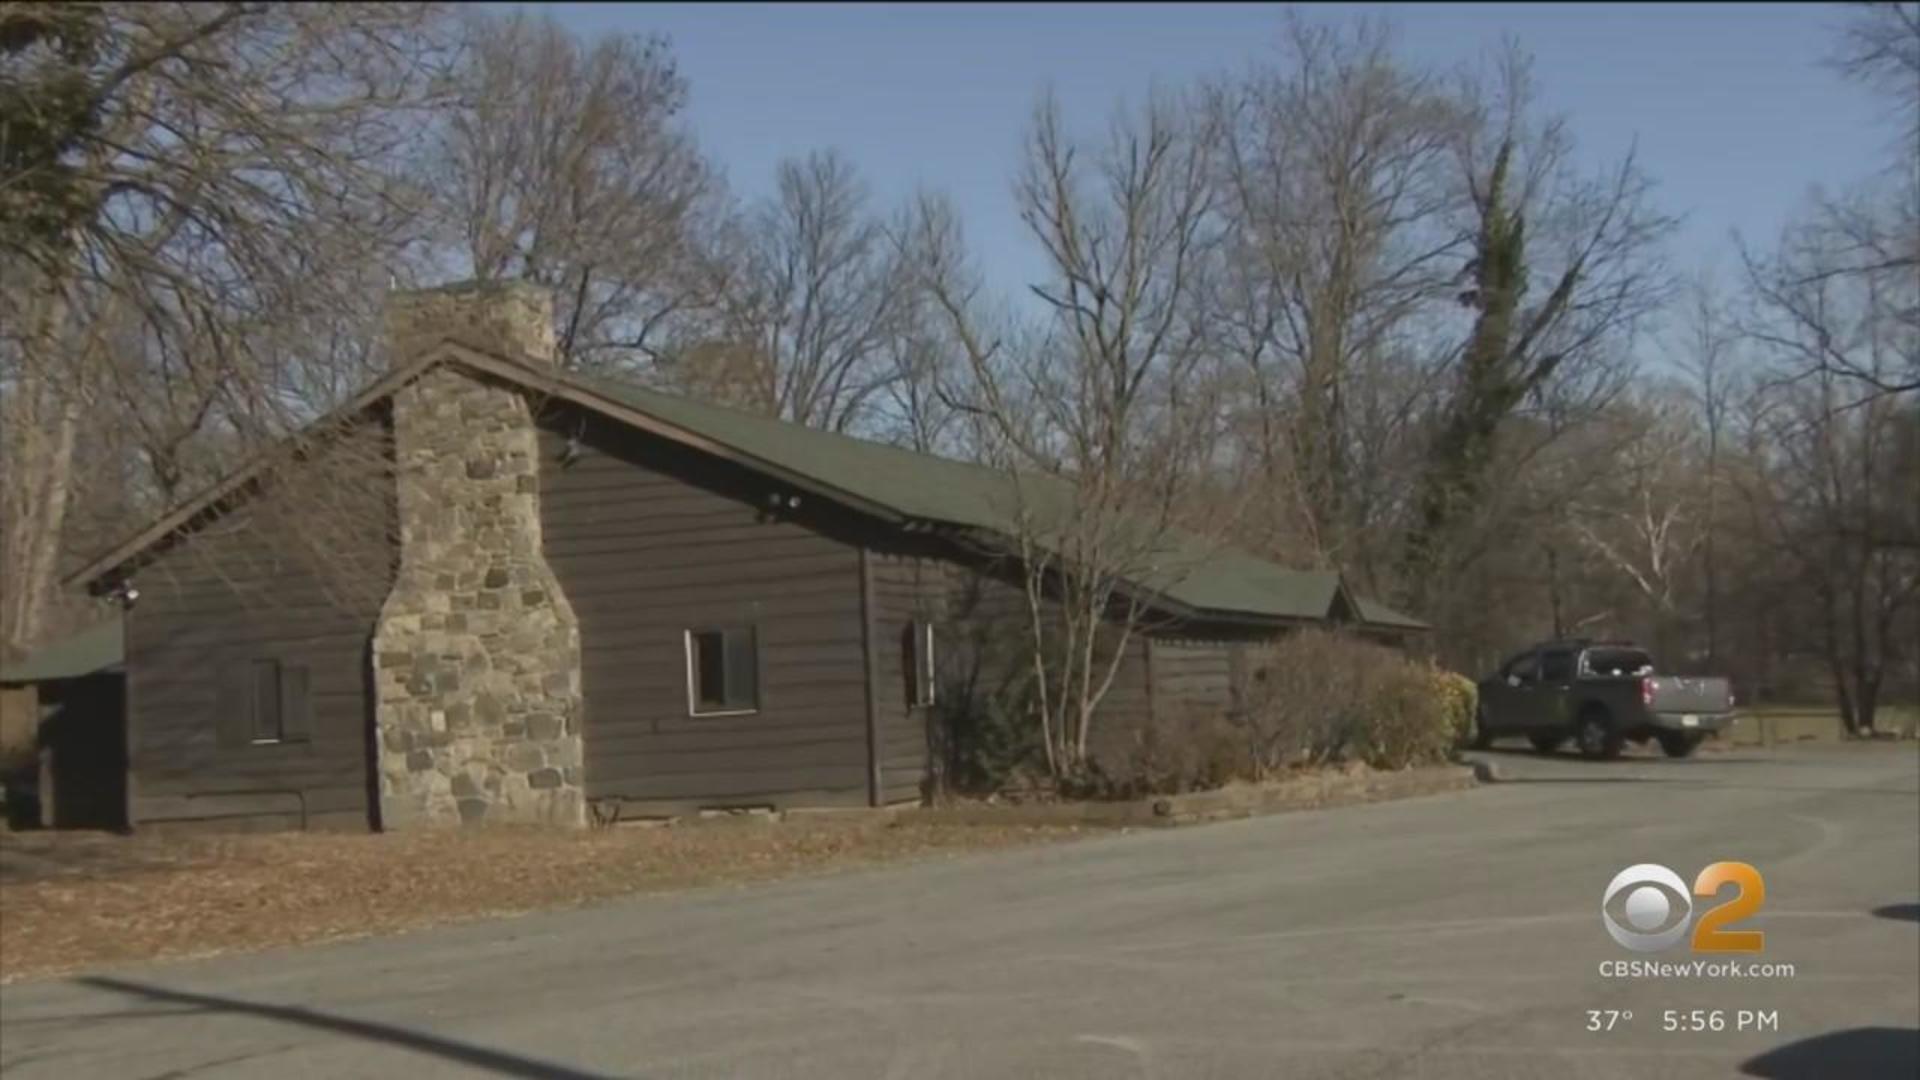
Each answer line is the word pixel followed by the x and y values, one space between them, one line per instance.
pixel 1452 936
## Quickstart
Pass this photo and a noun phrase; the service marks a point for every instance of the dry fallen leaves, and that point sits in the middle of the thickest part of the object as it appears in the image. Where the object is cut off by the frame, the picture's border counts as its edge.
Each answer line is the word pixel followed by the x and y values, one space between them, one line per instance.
pixel 71 901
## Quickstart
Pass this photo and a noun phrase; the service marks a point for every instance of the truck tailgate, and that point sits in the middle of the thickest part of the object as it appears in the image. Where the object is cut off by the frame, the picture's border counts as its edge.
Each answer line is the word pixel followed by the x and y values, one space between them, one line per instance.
pixel 1705 695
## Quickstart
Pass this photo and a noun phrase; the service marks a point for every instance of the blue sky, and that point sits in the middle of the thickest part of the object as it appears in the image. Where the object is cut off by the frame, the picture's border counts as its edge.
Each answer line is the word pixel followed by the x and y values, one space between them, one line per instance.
pixel 1734 116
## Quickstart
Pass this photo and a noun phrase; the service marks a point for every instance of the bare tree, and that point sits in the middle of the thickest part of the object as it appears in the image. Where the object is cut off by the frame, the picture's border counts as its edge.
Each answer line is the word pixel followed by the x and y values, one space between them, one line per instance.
pixel 1880 47
pixel 1706 355
pixel 1534 221
pixel 1833 482
pixel 1637 504
pixel 1099 408
pixel 913 410
pixel 1333 179
pixel 1841 293
pixel 1820 497
pixel 818 326
pixel 1871 232
pixel 566 164
pixel 182 185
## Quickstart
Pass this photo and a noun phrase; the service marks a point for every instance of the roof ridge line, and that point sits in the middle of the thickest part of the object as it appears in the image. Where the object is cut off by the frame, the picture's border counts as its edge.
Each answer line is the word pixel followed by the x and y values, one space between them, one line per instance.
pixel 760 417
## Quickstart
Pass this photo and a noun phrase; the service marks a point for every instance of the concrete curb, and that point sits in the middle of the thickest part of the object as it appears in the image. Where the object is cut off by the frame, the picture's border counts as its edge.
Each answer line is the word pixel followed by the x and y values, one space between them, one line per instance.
pixel 1318 792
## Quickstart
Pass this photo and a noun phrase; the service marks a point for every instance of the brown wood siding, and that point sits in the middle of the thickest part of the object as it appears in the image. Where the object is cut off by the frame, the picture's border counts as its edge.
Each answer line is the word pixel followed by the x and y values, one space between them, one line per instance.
pixel 649 540
pixel 1126 711
pixel 906 588
pixel 986 613
pixel 1192 676
pixel 242 589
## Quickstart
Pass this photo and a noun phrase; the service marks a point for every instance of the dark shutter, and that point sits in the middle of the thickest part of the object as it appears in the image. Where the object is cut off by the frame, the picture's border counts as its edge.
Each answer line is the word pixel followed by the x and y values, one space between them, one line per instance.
pixel 743 669
pixel 1236 678
pixel 709 678
pixel 233 703
pixel 267 701
pixel 910 663
pixel 296 705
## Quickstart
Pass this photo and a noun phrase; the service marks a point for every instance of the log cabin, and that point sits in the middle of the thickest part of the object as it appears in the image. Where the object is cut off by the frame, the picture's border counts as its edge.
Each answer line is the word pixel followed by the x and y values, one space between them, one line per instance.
pixel 489 590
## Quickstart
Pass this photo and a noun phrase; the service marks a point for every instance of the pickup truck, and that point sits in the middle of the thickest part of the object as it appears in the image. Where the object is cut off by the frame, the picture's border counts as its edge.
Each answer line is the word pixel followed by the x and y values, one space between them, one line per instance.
pixel 1599 694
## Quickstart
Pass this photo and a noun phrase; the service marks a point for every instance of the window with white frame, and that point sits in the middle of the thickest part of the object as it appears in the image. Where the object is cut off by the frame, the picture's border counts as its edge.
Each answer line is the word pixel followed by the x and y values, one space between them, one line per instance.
pixel 723 671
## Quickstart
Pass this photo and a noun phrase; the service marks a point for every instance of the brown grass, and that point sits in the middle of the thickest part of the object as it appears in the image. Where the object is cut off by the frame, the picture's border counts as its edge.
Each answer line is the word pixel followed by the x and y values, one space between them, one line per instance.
pixel 71 901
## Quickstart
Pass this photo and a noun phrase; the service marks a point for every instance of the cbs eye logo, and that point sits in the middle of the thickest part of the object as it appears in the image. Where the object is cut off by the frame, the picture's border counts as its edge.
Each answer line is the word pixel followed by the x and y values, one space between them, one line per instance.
pixel 1654 908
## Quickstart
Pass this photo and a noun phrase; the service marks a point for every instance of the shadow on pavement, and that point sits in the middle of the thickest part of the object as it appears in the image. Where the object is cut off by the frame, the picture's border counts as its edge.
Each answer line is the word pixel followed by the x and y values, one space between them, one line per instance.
pixel 1860 1053
pixel 1510 779
pixel 1634 756
pixel 1909 912
pixel 1530 755
pixel 474 1057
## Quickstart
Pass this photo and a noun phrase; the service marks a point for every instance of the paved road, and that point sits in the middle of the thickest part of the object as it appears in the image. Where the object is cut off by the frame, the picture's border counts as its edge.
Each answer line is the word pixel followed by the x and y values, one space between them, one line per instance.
pixel 1452 936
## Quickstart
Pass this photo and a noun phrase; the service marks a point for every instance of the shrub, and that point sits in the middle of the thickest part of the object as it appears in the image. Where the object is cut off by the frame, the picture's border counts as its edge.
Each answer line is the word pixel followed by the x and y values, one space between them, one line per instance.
pixel 1406 718
pixel 1302 696
pixel 984 737
pixel 1194 750
pixel 1459 697
pixel 1312 698
pixel 1318 696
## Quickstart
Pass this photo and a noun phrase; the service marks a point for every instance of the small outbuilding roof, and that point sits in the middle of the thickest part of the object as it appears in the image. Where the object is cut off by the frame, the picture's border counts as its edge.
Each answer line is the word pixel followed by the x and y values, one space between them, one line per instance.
pixel 98 648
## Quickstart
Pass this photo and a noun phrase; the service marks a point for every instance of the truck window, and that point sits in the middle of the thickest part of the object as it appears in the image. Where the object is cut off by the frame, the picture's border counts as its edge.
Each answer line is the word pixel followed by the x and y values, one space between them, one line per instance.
pixel 1618 663
pixel 1523 667
pixel 1556 666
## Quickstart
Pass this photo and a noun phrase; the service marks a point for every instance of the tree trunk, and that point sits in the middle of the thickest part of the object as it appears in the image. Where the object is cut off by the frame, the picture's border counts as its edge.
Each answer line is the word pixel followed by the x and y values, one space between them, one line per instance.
pixel 1487 393
pixel 1553 591
pixel 41 476
pixel 40 569
pixel 1868 701
pixel 1712 526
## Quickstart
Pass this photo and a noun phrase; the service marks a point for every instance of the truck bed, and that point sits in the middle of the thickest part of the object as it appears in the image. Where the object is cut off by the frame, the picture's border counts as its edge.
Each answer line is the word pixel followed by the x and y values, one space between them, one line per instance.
pixel 1703 695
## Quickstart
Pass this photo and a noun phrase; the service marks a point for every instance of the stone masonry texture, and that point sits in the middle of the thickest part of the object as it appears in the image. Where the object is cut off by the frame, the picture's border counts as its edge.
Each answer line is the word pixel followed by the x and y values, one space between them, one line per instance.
pixel 477 651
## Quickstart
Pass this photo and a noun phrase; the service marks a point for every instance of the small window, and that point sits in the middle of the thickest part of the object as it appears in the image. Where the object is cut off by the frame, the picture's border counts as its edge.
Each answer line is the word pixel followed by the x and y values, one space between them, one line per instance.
pixel 918 663
pixel 1556 667
pixel 265 701
pixel 723 671
pixel 1618 662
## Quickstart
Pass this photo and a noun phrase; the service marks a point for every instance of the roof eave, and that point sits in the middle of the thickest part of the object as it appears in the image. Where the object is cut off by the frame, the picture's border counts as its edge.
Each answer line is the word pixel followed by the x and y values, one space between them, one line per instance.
pixel 527 376
pixel 210 497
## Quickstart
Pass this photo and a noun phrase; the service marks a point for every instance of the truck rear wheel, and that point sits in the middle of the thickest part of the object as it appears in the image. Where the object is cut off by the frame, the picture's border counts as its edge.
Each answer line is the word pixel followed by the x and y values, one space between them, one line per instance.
pixel 1598 740
pixel 1679 744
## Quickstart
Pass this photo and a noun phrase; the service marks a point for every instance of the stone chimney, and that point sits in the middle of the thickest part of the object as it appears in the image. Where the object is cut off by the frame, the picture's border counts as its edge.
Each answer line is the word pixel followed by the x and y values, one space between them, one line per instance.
pixel 514 317
pixel 477 651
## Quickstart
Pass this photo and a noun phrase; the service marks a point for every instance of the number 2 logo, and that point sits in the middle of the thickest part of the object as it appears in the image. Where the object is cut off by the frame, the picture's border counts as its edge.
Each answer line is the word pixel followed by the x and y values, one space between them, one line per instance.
pixel 1710 933
pixel 1648 908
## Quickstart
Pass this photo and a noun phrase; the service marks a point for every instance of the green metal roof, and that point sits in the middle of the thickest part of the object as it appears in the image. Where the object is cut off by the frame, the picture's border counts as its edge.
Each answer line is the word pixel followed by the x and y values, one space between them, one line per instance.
pixel 1379 614
pixel 1206 579
pixel 934 489
pixel 99 647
